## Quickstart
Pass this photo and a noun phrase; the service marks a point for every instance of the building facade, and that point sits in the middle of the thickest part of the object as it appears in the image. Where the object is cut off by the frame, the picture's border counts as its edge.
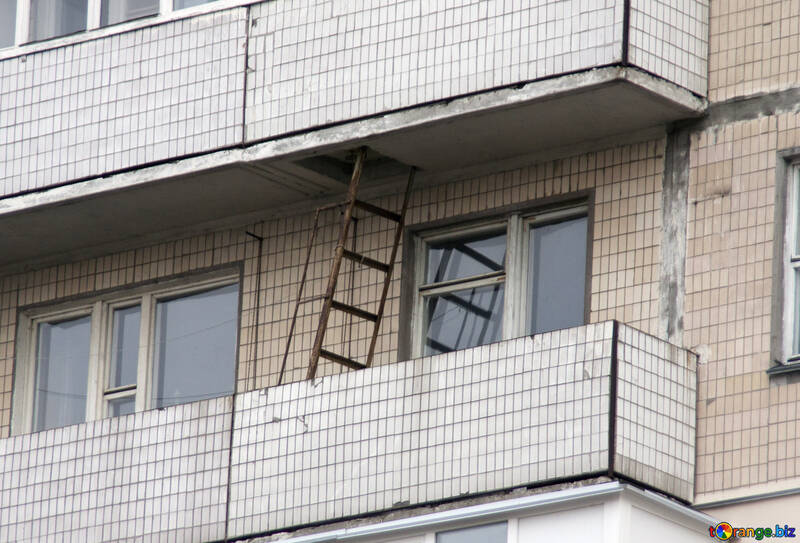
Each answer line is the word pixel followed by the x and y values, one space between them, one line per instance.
pixel 590 326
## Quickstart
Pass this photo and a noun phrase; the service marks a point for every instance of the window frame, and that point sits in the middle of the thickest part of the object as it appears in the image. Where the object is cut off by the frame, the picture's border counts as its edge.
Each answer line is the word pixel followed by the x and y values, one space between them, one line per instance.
pixel 101 308
pixel 791 267
pixel 519 220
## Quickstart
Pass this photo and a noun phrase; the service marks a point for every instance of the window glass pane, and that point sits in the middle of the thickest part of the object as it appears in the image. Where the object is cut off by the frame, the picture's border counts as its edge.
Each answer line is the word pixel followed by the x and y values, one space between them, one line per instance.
pixel 51 18
pixel 8 22
pixel 557 271
pixel 62 371
pixel 796 339
pixel 122 406
pixel 464 318
pixel 125 346
pixel 195 346
pixel 491 533
pixel 797 215
pixel 180 4
pixel 118 11
pixel 465 257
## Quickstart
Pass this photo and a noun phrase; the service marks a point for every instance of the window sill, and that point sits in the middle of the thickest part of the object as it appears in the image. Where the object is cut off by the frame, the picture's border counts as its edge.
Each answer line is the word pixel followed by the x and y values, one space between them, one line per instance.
pixel 792 366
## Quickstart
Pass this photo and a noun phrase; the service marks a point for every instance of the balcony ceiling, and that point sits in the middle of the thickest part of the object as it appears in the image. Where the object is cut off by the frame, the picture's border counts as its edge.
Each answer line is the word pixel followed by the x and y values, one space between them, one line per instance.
pixel 139 207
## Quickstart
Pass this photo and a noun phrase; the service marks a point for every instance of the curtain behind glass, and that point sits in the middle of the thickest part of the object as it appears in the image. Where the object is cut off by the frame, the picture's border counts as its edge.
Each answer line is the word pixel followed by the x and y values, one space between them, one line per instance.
pixel 62 372
pixel 51 18
pixel 118 11
pixel 8 21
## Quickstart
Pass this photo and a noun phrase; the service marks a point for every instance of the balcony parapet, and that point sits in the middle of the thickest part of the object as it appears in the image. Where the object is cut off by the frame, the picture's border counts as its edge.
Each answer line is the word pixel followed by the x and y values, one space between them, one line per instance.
pixel 601 399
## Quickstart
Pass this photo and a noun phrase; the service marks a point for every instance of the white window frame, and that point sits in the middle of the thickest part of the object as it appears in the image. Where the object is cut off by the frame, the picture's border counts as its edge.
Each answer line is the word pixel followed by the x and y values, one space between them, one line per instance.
pixel 166 11
pixel 791 262
pixel 515 274
pixel 101 309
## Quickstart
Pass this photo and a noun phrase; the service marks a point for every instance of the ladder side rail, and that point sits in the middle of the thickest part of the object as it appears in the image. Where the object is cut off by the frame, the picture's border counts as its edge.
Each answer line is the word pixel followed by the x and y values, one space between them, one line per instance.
pixel 300 288
pixel 337 262
pixel 388 278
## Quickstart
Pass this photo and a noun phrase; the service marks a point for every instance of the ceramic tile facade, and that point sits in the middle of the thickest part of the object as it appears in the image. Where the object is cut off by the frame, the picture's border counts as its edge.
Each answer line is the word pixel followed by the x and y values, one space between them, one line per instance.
pixel 178 88
pixel 671 39
pixel 319 62
pixel 748 431
pixel 755 47
pixel 656 407
pixel 121 101
pixel 159 475
pixel 498 416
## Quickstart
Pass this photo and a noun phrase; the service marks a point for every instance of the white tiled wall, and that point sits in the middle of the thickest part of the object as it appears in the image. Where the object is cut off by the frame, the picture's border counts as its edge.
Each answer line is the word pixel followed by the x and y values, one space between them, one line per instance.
pixel 670 39
pixel 509 414
pixel 656 395
pixel 158 475
pixel 317 62
pixel 121 101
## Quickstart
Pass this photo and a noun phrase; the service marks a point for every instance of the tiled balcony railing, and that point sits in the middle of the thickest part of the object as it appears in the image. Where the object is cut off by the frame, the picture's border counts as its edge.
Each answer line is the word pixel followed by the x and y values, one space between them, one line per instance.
pixel 569 404
pixel 176 88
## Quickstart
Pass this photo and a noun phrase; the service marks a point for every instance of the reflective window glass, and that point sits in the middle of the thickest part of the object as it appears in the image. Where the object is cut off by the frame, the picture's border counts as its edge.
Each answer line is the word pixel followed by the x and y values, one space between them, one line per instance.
pixel 466 257
pixel 464 318
pixel 62 371
pixel 557 275
pixel 489 533
pixel 181 4
pixel 52 18
pixel 8 22
pixel 195 346
pixel 125 346
pixel 118 11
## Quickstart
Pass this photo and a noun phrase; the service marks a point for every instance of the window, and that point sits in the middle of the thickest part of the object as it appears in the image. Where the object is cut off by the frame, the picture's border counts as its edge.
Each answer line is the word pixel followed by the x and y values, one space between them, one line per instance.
pixel 488 533
pixel 26 21
pixel 791 347
pixel 148 349
pixel 499 279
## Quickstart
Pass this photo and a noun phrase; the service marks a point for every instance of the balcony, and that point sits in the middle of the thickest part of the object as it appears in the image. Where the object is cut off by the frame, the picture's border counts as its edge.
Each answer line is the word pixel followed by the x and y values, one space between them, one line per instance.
pixel 115 134
pixel 601 399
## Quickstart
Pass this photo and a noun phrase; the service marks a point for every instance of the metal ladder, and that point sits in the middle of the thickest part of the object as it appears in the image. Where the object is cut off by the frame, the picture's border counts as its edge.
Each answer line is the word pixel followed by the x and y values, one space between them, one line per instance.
pixel 329 303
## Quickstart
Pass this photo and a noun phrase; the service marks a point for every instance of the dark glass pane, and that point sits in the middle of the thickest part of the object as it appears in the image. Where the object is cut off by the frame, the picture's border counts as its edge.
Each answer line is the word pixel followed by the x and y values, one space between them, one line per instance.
pixel 8 22
pixel 122 406
pixel 125 346
pixel 118 11
pixel 464 318
pixel 62 372
pixel 466 257
pixel 490 533
pixel 195 346
pixel 558 275
pixel 51 18
pixel 180 4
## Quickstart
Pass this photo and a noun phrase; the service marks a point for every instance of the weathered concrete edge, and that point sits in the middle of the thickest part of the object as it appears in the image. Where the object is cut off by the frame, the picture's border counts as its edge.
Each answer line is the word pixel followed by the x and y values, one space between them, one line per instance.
pixel 674 203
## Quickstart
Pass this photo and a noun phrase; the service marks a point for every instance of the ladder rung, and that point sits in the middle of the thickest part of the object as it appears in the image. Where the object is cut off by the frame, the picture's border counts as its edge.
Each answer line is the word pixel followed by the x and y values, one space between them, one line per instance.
pixel 341 360
pixel 391 215
pixel 367 261
pixel 354 311
pixel 311 299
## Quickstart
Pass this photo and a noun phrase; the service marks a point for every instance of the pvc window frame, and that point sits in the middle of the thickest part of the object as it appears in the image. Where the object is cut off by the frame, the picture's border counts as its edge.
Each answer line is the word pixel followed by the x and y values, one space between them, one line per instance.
pixel 518 225
pixel 101 309
pixel 791 263
pixel 166 8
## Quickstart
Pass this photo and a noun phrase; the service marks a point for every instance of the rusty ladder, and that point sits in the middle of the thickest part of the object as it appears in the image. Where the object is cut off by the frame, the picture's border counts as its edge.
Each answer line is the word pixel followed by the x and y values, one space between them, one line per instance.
pixel 329 303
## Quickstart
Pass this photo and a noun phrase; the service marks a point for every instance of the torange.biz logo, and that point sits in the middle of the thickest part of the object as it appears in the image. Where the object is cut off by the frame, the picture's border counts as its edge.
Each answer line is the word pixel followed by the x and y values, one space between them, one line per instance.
pixel 724 531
